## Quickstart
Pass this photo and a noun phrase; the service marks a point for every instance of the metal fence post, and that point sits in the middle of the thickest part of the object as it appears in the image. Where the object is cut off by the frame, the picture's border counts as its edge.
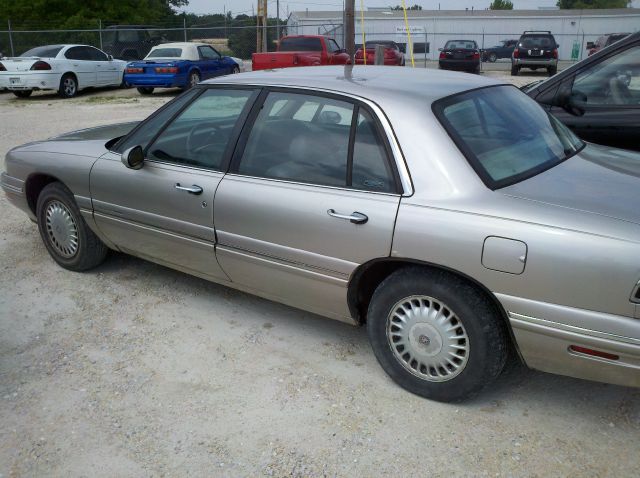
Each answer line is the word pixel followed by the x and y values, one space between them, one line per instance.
pixel 100 32
pixel 10 38
pixel 426 42
pixel 184 27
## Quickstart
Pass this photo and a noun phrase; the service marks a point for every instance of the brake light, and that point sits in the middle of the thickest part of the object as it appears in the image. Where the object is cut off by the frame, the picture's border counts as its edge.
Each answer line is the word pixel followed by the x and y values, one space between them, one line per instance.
pixel 135 70
pixel 167 69
pixel 2 68
pixel 443 55
pixel 40 65
pixel 555 53
pixel 516 53
pixel 476 56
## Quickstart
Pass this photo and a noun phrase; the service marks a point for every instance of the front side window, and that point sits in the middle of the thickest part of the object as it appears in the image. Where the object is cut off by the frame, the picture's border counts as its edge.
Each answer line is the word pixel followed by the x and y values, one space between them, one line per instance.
pixel 97 55
pixel 614 81
pixel 208 53
pixel 506 136
pixel 307 138
pixel 145 132
pixel 200 134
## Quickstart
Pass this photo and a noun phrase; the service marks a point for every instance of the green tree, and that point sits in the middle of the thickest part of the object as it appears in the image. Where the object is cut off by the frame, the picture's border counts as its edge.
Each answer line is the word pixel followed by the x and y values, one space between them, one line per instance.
pixel 242 41
pixel 568 4
pixel 501 5
pixel 399 7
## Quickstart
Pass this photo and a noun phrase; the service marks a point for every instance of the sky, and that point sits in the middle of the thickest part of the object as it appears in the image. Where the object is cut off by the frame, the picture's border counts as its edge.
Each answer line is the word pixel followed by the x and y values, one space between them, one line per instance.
pixel 245 6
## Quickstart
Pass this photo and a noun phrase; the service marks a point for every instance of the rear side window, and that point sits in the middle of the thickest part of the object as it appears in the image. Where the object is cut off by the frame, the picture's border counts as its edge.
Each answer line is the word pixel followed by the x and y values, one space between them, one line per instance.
pixel 317 140
pixel 300 44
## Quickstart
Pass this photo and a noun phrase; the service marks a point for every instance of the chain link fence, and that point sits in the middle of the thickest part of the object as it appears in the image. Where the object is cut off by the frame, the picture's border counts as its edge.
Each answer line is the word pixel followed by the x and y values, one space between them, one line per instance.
pixel 131 42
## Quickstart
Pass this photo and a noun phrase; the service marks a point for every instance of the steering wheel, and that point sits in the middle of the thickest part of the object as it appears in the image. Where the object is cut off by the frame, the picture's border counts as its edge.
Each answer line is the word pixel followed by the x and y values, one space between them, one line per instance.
pixel 192 144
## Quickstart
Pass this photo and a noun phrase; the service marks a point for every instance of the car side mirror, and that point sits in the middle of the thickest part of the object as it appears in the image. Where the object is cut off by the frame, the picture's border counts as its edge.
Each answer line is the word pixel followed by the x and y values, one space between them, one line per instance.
pixel 110 57
pixel 133 158
pixel 574 103
pixel 590 45
pixel 440 49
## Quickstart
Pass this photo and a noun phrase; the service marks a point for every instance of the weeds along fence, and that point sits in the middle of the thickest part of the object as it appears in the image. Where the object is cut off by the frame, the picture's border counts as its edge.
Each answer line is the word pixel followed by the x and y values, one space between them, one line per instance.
pixel 240 41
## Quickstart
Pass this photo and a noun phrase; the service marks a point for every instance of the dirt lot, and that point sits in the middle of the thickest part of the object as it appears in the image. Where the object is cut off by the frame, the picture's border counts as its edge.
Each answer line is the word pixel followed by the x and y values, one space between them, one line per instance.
pixel 137 370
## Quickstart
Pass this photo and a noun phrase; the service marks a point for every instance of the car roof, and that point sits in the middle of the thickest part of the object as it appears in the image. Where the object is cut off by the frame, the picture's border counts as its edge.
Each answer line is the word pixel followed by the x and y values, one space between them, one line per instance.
pixel 180 44
pixel 370 82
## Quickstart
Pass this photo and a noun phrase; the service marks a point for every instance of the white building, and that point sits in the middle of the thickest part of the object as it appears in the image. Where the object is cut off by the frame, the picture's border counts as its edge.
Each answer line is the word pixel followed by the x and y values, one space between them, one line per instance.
pixel 572 29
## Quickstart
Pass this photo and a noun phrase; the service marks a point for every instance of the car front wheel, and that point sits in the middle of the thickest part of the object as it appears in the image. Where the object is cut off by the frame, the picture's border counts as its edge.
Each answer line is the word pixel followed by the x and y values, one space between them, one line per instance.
pixel 66 236
pixel 492 57
pixel 435 334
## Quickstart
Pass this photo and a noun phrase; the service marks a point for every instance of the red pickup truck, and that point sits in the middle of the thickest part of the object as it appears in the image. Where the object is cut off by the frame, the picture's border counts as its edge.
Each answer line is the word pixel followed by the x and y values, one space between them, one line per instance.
pixel 301 50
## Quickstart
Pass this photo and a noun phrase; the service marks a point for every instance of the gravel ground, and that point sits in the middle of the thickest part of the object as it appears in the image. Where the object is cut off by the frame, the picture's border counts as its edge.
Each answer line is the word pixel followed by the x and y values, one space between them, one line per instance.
pixel 133 369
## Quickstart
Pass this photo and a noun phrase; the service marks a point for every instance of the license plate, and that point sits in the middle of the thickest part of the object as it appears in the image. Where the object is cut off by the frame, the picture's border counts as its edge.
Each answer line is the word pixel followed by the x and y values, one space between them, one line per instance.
pixel 535 53
pixel 14 81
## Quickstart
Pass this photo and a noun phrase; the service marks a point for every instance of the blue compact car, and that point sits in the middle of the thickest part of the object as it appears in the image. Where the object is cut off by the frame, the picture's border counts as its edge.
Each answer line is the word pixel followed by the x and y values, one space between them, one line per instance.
pixel 177 65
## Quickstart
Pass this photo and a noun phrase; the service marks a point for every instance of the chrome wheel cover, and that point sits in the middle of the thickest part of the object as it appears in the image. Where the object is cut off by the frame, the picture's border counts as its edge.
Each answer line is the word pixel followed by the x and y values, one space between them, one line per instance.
pixel 69 86
pixel 194 79
pixel 61 228
pixel 427 338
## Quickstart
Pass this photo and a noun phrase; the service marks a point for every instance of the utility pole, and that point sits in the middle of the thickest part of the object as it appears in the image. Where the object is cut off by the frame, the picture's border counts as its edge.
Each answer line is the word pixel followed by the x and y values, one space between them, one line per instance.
pixel 350 29
pixel 278 19
pixel 261 27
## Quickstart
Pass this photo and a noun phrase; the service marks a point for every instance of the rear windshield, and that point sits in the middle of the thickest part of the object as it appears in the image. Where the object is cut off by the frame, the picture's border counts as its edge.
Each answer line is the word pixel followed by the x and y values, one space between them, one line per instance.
pixel 537 41
pixel 506 136
pixel 300 44
pixel 165 53
pixel 460 44
pixel 44 51
pixel 387 44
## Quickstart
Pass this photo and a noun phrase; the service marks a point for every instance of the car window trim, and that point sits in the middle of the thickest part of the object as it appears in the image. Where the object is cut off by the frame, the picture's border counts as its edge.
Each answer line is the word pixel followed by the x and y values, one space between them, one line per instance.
pixel 235 132
pixel 356 102
pixel 474 162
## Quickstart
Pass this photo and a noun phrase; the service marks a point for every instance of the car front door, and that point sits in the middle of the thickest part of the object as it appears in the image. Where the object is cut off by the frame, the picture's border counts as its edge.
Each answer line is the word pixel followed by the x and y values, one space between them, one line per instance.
pixel 164 211
pixel 210 62
pixel 312 193
pixel 82 65
pixel 609 94
pixel 107 72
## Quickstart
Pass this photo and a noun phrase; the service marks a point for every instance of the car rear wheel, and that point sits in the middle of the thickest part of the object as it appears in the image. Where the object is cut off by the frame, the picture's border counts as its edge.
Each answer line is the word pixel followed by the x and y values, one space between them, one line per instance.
pixel 235 70
pixel 515 70
pixel 492 57
pixel 145 90
pixel 23 93
pixel 552 70
pixel 436 335
pixel 64 232
pixel 194 79
pixel 68 86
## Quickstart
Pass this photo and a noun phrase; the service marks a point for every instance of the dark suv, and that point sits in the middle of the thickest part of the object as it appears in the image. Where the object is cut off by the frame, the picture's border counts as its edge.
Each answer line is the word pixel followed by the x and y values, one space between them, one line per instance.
pixel 130 42
pixel 535 49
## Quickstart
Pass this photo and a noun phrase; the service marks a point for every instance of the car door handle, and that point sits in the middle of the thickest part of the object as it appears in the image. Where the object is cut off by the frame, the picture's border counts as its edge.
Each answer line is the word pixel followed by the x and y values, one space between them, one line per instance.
pixel 355 217
pixel 195 189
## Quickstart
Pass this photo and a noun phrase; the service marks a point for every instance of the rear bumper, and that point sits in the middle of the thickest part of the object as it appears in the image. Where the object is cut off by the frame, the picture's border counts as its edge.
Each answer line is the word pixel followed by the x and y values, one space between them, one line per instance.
pixel 156 81
pixel 526 62
pixel 545 344
pixel 387 62
pixel 467 65
pixel 27 80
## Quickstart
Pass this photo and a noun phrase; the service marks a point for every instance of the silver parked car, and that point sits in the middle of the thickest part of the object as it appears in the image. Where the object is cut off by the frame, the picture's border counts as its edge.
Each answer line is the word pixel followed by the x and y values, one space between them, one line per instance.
pixel 449 213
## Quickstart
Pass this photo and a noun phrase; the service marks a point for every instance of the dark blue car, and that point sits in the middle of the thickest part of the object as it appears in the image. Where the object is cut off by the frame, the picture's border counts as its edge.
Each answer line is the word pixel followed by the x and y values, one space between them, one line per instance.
pixel 177 65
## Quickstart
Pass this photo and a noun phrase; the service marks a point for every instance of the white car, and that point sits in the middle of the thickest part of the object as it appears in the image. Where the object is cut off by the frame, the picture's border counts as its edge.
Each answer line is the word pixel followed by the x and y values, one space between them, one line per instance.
pixel 65 68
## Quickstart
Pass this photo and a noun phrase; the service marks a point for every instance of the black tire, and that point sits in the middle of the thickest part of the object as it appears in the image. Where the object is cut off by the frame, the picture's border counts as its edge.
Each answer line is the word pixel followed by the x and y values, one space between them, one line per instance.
pixel 23 93
pixel 552 70
pixel 145 90
pixel 515 70
pixel 492 57
pixel 193 80
pixel 486 334
pixel 89 252
pixel 68 86
pixel 477 70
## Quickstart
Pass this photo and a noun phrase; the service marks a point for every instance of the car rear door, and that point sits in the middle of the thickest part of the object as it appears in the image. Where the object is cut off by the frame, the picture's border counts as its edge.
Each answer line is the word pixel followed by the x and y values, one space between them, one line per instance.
pixel 164 211
pixel 311 194
pixel 82 65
